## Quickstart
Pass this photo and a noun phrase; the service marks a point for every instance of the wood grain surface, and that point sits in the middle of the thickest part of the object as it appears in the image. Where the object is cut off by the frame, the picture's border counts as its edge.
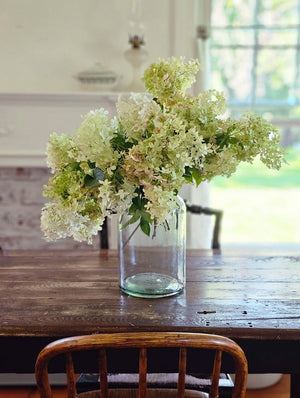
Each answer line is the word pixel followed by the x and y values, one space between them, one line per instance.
pixel 56 294
pixel 254 300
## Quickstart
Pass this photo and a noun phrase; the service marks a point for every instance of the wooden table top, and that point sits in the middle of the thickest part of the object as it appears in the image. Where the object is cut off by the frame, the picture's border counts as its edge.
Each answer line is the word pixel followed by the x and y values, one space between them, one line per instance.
pixel 53 294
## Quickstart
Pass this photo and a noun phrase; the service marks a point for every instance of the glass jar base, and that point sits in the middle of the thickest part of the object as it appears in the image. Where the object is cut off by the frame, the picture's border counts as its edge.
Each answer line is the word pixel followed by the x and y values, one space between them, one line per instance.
pixel 151 285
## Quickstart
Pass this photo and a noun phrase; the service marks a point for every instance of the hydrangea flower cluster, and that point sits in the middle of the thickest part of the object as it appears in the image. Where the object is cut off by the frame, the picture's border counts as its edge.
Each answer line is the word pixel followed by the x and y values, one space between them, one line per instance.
pixel 139 160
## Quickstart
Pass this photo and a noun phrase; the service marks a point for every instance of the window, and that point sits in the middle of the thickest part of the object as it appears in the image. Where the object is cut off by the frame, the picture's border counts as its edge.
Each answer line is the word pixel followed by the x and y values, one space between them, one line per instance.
pixel 255 60
pixel 255 53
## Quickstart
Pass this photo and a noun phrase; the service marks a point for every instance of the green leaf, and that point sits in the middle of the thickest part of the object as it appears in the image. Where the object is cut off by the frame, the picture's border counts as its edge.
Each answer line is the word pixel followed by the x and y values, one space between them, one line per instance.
pixel 188 178
pixel 73 166
pixel 233 140
pixel 119 142
pixel 145 226
pixel 221 140
pixel 144 201
pixel 146 216
pixel 197 175
pixel 137 202
pixel 92 165
pixel 133 219
pixel 231 129
pixel 98 174
pixel 93 181
pixel 188 175
pixel 90 182
pixel 132 209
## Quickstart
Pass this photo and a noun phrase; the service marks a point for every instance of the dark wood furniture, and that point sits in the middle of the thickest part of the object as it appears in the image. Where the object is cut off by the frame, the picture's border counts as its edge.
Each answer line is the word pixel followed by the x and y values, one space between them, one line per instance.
pixel 143 341
pixel 190 208
pixel 217 215
pixel 254 300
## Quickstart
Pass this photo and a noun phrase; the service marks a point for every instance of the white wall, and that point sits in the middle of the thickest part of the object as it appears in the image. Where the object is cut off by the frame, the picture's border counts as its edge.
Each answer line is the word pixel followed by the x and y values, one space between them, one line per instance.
pixel 43 43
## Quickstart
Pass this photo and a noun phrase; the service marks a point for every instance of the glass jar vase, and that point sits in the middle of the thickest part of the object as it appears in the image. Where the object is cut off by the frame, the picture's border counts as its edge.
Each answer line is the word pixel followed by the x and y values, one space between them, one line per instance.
pixel 154 266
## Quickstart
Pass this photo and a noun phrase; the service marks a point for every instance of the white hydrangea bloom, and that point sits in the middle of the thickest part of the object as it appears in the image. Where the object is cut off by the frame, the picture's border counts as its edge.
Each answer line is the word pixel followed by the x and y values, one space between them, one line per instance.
pixel 160 203
pixel 141 158
pixel 58 221
pixel 93 139
pixel 136 112
pixel 58 149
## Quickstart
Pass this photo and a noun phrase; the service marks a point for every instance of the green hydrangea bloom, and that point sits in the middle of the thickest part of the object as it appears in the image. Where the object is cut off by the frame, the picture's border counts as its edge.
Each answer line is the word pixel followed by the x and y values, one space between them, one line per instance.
pixel 93 137
pixel 168 80
pixel 154 146
pixel 59 148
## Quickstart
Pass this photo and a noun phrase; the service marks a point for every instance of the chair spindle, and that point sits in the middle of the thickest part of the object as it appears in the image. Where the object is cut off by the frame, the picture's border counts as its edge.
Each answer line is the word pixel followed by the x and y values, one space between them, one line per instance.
pixel 181 373
pixel 71 380
pixel 142 341
pixel 214 388
pixel 143 373
pixel 103 373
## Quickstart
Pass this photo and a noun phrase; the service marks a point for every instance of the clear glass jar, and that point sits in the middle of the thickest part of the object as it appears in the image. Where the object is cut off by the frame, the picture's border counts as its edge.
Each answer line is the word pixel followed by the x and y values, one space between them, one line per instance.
pixel 154 266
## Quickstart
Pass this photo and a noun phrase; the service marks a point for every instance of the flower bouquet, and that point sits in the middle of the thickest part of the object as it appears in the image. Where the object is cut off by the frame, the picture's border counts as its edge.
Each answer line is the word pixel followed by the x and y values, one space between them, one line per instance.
pixel 137 162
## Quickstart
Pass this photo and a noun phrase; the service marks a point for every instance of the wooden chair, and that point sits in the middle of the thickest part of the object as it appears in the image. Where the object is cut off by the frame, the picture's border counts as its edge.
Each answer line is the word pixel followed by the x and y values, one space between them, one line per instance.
pixel 190 208
pixel 218 214
pixel 142 341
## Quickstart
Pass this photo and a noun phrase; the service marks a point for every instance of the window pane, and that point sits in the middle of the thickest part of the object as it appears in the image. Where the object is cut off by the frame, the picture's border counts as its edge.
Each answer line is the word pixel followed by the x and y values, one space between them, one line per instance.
pixel 276 76
pixel 232 12
pixel 278 37
pixel 278 12
pixel 226 63
pixel 291 136
pixel 232 37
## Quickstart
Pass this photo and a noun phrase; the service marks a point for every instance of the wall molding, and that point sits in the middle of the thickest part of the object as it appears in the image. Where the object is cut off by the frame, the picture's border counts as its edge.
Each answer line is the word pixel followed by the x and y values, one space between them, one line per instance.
pixel 28 119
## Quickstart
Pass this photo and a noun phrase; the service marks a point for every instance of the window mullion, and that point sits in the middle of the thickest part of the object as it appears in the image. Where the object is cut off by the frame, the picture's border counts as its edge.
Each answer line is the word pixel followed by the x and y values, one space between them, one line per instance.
pixel 297 77
pixel 255 55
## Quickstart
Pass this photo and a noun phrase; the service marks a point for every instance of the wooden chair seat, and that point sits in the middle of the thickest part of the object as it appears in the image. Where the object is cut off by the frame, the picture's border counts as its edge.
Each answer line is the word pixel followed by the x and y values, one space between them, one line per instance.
pixel 151 393
pixel 195 382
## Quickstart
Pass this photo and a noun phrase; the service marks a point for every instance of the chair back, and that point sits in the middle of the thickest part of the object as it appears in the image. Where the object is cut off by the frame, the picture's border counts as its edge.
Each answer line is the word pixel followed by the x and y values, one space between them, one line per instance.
pixel 218 214
pixel 142 341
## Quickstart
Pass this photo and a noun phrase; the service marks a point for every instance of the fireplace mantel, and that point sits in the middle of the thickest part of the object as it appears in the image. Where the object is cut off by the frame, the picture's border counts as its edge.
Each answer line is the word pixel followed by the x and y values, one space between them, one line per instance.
pixel 27 120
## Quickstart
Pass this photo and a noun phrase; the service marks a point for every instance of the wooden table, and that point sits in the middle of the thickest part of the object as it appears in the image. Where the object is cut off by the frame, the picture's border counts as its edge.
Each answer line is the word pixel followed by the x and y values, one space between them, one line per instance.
pixel 253 300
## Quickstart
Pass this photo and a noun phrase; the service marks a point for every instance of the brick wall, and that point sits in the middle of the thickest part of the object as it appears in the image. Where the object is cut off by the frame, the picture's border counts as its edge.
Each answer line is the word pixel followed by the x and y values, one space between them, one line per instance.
pixel 21 202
